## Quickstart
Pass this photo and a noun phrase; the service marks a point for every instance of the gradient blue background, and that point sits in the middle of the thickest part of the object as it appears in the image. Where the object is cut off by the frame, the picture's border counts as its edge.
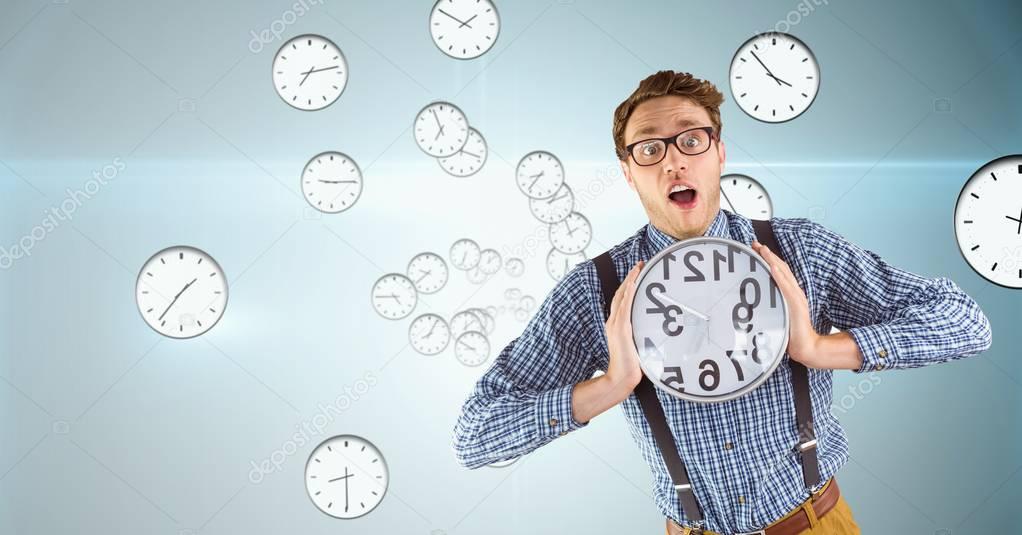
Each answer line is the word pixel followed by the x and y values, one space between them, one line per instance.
pixel 109 428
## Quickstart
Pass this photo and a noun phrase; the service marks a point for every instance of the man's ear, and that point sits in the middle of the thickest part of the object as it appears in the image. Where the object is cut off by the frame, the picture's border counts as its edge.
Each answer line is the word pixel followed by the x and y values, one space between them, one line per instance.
pixel 721 153
pixel 628 175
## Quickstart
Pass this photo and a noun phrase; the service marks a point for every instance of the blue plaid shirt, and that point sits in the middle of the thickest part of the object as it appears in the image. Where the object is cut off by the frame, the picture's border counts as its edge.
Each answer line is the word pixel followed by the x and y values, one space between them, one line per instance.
pixel 740 454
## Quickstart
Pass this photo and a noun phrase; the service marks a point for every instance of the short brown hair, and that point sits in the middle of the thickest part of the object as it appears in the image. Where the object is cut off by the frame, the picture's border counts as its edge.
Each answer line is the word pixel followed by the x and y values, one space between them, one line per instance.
pixel 663 83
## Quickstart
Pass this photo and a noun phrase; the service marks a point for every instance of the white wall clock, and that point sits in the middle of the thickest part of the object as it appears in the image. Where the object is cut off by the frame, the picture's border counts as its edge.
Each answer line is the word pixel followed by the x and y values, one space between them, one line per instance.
pixel 331 182
pixel 555 208
pixel 469 159
pixel 988 221
pixel 465 254
pixel 472 348
pixel 514 266
pixel 464 29
pixel 346 476
pixel 309 72
pixel 429 334
pixel 489 261
pixel 428 271
pixel 707 320
pixel 394 296
pixel 745 196
pixel 441 129
pixel 571 235
pixel 774 77
pixel 539 174
pixel 181 292
pixel 465 321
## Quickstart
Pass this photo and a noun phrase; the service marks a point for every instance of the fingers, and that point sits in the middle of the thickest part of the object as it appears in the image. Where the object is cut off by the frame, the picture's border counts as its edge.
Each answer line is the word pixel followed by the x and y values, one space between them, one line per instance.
pixel 624 292
pixel 778 268
pixel 631 281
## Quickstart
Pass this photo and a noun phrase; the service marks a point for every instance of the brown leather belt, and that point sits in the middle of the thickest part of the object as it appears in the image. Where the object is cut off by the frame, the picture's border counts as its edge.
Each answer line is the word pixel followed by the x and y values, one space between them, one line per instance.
pixel 793 523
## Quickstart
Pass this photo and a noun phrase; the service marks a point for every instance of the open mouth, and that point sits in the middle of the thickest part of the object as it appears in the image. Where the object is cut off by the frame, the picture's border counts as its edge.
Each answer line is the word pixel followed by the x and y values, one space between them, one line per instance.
pixel 683 196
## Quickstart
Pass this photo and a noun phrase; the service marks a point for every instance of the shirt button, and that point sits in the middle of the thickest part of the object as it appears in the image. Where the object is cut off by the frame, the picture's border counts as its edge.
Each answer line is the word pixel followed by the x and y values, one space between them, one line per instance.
pixel 553 422
pixel 878 367
pixel 883 353
pixel 728 445
pixel 741 499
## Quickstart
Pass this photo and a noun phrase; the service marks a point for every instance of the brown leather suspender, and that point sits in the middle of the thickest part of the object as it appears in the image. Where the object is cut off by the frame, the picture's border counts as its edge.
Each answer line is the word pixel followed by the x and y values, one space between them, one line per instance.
pixel 654 412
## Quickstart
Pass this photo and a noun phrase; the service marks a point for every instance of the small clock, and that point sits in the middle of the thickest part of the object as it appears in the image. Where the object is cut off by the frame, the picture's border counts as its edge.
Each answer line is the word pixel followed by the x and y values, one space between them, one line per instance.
pixel 346 476
pixel 464 29
pixel 428 271
pixel 708 322
pixel 489 323
pixel 489 261
pixel 469 159
pixel 774 77
pixel 476 275
pixel 441 129
pixel 309 72
pixel 429 334
pixel 514 266
pixel 331 182
pixel 465 254
pixel 181 292
pixel 745 196
pixel 571 235
pixel 554 208
pixel 394 296
pixel 559 264
pixel 988 221
pixel 472 348
pixel 539 175
pixel 465 321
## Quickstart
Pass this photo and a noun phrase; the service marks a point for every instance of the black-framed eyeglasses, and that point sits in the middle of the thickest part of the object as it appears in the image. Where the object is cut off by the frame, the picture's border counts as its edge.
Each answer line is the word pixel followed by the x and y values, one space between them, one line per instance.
pixel 652 151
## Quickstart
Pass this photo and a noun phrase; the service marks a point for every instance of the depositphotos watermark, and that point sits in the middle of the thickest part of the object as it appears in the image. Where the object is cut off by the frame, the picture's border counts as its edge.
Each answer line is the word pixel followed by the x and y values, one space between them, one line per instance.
pixel 56 215
pixel 311 428
pixel 277 27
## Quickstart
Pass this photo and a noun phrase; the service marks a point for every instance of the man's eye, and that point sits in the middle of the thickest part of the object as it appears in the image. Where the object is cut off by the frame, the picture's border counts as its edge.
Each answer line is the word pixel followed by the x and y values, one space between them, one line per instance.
pixel 691 142
pixel 649 149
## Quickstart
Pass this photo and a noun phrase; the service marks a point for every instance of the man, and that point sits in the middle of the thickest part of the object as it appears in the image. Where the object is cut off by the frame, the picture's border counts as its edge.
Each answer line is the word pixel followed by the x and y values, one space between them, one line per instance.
pixel 744 465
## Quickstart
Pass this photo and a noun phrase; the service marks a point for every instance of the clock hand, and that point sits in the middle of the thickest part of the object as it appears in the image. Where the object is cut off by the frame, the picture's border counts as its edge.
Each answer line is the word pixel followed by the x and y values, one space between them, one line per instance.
pixel 691 310
pixel 452 16
pixel 561 196
pixel 306 73
pixel 323 69
pixel 470 154
pixel 462 342
pixel 176 296
pixel 338 181
pixel 729 203
pixel 766 69
pixel 424 273
pixel 469 20
pixel 1019 222
pixel 779 81
pixel 340 478
pixel 537 177
pixel 346 488
pixel 430 332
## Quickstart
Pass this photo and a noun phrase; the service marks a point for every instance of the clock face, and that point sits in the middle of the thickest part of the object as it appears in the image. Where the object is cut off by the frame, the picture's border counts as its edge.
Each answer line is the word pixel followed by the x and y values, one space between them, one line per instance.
pixel 346 476
pixel 428 271
pixel 464 29
pixel 707 320
pixel 465 254
pixel 465 321
pixel 774 77
pixel 988 221
pixel 472 348
pixel 181 292
pixel 429 334
pixel 469 159
pixel 571 235
pixel 558 263
pixel 441 129
pixel 394 296
pixel 745 196
pixel 331 182
pixel 489 261
pixel 555 208
pixel 309 72
pixel 514 267
pixel 539 175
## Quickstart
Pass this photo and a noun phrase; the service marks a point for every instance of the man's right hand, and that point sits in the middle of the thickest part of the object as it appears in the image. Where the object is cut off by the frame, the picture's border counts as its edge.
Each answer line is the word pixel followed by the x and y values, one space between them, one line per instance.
pixel 623 370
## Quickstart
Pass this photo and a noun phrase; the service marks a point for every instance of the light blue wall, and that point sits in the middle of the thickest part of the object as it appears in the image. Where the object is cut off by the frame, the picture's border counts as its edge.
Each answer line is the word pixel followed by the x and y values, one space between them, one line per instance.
pixel 109 428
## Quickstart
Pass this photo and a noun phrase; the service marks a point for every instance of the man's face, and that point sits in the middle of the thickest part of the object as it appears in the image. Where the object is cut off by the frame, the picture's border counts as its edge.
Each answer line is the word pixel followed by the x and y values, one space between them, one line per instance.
pixel 681 215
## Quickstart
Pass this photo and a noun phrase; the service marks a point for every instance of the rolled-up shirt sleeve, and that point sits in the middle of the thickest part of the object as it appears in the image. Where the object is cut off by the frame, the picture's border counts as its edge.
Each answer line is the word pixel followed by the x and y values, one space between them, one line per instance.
pixel 898 319
pixel 523 400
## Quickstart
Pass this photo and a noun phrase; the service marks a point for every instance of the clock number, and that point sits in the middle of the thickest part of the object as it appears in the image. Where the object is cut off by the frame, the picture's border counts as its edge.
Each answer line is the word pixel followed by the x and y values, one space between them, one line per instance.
pixel 667 266
pixel 775 292
pixel 709 379
pixel 734 360
pixel 757 348
pixel 698 277
pixel 737 316
pixel 671 313
pixel 676 378
pixel 718 257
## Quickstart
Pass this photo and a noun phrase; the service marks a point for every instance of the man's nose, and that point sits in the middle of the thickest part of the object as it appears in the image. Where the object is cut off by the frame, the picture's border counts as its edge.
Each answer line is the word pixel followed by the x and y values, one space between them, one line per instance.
pixel 674 160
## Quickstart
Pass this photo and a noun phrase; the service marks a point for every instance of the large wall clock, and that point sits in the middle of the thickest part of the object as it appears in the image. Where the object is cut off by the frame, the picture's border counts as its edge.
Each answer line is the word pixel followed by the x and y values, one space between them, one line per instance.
pixel 181 292
pixel 988 221
pixel 774 77
pixel 309 72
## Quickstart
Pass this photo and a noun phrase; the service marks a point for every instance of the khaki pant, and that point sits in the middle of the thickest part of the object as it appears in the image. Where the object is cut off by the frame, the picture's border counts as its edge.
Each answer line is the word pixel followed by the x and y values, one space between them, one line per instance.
pixel 837 521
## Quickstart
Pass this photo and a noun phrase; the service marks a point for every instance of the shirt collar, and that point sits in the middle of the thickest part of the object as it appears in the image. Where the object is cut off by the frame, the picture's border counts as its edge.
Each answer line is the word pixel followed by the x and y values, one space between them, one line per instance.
pixel 658 240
